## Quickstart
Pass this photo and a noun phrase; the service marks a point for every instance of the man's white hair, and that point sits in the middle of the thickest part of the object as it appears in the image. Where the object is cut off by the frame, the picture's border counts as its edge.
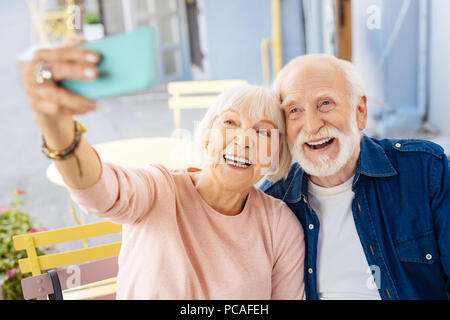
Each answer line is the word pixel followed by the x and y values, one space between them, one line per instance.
pixel 355 86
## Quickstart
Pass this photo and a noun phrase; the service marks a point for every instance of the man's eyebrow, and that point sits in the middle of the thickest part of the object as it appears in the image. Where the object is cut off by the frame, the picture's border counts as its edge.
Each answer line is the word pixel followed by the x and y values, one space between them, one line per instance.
pixel 326 95
pixel 287 102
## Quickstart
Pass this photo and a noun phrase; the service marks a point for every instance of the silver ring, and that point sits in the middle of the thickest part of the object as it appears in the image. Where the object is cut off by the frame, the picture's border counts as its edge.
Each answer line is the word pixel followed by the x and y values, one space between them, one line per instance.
pixel 43 72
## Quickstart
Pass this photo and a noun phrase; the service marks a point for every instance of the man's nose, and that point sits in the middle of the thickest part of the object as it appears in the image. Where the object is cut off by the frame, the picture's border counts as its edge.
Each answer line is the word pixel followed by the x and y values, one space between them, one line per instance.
pixel 312 122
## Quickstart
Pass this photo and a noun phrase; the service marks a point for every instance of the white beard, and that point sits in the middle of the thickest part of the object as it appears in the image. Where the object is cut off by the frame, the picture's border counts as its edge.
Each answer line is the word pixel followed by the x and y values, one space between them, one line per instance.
pixel 323 166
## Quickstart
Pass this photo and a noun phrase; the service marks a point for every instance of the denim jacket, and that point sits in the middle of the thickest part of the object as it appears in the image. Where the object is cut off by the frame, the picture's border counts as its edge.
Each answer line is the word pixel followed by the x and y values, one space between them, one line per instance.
pixel 401 210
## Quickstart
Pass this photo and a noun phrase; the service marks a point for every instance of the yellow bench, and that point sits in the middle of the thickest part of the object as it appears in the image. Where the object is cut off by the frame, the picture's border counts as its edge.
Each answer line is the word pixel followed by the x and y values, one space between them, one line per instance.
pixel 196 94
pixel 83 273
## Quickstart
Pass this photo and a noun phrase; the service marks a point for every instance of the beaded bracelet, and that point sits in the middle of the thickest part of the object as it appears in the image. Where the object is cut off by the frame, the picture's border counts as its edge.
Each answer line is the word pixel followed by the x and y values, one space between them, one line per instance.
pixel 67 152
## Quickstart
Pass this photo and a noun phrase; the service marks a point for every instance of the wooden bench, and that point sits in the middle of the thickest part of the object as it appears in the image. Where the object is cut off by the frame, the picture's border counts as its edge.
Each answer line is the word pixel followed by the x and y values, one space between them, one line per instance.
pixel 196 94
pixel 88 273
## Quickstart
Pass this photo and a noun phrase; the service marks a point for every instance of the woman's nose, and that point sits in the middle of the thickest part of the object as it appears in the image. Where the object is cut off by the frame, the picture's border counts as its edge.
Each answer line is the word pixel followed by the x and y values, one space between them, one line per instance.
pixel 242 138
pixel 242 141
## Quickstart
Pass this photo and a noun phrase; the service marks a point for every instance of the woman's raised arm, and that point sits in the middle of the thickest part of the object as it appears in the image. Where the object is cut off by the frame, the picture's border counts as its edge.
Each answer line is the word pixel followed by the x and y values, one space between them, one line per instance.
pixel 54 108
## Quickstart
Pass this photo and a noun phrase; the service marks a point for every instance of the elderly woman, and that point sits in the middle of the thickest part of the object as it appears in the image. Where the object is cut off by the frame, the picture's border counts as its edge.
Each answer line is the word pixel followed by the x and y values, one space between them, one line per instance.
pixel 188 233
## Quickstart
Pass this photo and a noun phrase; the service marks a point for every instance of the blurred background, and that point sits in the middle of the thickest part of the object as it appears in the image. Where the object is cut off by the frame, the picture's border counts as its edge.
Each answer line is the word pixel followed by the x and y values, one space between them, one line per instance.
pixel 400 47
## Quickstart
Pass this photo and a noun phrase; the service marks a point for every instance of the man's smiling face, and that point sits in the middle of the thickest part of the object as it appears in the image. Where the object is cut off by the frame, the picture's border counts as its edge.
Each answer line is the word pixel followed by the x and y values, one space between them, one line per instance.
pixel 323 124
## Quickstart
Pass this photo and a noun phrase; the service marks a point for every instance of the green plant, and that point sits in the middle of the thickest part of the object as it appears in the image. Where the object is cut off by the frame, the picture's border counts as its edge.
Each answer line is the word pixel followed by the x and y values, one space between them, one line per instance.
pixel 14 222
pixel 92 18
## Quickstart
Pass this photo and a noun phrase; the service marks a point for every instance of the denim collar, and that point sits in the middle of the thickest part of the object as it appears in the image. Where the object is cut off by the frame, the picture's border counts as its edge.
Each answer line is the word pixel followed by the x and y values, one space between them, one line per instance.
pixel 372 162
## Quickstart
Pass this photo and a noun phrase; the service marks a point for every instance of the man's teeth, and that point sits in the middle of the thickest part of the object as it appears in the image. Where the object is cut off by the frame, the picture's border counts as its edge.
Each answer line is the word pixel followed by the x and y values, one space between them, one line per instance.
pixel 317 143
pixel 237 161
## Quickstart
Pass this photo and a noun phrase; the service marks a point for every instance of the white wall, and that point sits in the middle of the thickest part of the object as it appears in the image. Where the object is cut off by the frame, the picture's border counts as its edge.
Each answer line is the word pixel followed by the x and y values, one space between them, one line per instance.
pixel 387 60
pixel 439 84
pixel 367 48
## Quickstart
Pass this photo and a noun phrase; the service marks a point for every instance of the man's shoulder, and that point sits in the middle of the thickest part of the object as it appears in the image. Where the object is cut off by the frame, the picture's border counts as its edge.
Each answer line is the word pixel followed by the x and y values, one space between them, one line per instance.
pixel 278 188
pixel 410 147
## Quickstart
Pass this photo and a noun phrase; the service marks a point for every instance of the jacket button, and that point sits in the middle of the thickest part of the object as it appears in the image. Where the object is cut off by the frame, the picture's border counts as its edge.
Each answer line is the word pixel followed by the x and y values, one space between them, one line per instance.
pixel 310 270
pixel 428 257
pixel 398 145
pixel 311 226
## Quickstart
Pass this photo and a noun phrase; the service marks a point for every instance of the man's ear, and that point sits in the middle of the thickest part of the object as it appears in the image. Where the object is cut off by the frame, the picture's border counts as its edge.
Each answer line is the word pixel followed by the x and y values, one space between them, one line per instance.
pixel 361 113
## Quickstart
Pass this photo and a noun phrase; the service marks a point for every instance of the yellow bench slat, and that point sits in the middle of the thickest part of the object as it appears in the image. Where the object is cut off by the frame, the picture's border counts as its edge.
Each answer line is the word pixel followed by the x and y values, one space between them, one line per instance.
pixel 47 238
pixel 56 260
pixel 191 87
pixel 196 95
pixel 92 290
pixel 191 102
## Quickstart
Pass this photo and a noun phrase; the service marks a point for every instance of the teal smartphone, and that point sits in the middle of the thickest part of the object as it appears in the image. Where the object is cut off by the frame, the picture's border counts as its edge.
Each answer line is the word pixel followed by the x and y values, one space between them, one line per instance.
pixel 128 65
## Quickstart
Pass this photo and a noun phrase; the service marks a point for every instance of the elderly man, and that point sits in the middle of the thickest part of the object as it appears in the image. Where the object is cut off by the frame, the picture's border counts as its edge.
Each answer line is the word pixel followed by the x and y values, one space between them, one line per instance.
pixel 376 213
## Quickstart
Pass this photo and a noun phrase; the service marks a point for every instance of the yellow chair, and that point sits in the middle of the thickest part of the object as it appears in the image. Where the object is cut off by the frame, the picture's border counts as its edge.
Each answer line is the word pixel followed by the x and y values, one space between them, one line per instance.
pixel 83 273
pixel 196 94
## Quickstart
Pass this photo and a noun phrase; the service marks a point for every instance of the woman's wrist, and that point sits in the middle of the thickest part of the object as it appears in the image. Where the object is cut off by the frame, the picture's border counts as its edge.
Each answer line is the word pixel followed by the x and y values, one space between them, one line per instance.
pixel 67 152
pixel 57 132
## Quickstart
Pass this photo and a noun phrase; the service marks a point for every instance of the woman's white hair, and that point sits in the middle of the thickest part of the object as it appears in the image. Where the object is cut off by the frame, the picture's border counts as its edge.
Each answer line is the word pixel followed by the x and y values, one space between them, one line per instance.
pixel 257 103
pixel 355 86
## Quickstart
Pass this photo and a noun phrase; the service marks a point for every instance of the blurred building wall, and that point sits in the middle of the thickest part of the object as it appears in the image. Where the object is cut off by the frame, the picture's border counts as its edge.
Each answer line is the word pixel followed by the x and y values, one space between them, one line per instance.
pixel 400 68
pixel 386 54
pixel 439 84
pixel 293 29
pixel 234 31
pixel 113 16
pixel 387 65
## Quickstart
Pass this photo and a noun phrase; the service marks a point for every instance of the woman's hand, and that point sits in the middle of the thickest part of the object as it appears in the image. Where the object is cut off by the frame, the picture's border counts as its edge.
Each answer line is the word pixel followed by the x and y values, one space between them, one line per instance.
pixel 51 102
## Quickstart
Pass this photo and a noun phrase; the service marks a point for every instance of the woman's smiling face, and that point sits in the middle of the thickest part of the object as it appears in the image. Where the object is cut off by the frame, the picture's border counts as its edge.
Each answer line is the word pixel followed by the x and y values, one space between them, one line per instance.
pixel 241 149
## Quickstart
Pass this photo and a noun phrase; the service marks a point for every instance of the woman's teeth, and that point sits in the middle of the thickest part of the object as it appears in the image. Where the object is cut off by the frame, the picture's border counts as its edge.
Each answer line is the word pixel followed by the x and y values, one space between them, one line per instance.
pixel 237 161
pixel 320 143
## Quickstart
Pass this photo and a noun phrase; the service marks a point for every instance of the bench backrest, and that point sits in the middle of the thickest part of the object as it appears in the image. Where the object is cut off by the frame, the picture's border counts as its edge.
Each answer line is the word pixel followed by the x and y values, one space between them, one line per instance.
pixel 102 259
pixel 91 280
pixel 196 94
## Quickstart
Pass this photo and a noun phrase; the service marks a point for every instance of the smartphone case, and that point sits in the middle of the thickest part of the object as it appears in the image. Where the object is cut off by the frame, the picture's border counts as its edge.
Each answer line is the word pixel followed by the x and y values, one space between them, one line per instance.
pixel 128 65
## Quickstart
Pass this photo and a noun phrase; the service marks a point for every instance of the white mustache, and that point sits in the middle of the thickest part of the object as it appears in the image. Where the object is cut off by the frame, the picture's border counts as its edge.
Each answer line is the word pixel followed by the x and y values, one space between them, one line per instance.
pixel 325 132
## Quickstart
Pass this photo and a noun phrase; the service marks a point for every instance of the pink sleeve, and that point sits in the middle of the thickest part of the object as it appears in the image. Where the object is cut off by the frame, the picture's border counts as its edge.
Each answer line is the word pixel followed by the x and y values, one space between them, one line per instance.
pixel 289 248
pixel 124 195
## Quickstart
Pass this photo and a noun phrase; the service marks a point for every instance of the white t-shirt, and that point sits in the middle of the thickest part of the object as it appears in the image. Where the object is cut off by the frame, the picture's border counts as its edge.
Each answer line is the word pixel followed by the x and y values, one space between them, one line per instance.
pixel 342 268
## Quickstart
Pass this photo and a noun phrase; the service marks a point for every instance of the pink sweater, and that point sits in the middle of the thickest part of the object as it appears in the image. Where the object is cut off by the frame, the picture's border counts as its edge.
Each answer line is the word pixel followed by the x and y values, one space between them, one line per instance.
pixel 175 246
